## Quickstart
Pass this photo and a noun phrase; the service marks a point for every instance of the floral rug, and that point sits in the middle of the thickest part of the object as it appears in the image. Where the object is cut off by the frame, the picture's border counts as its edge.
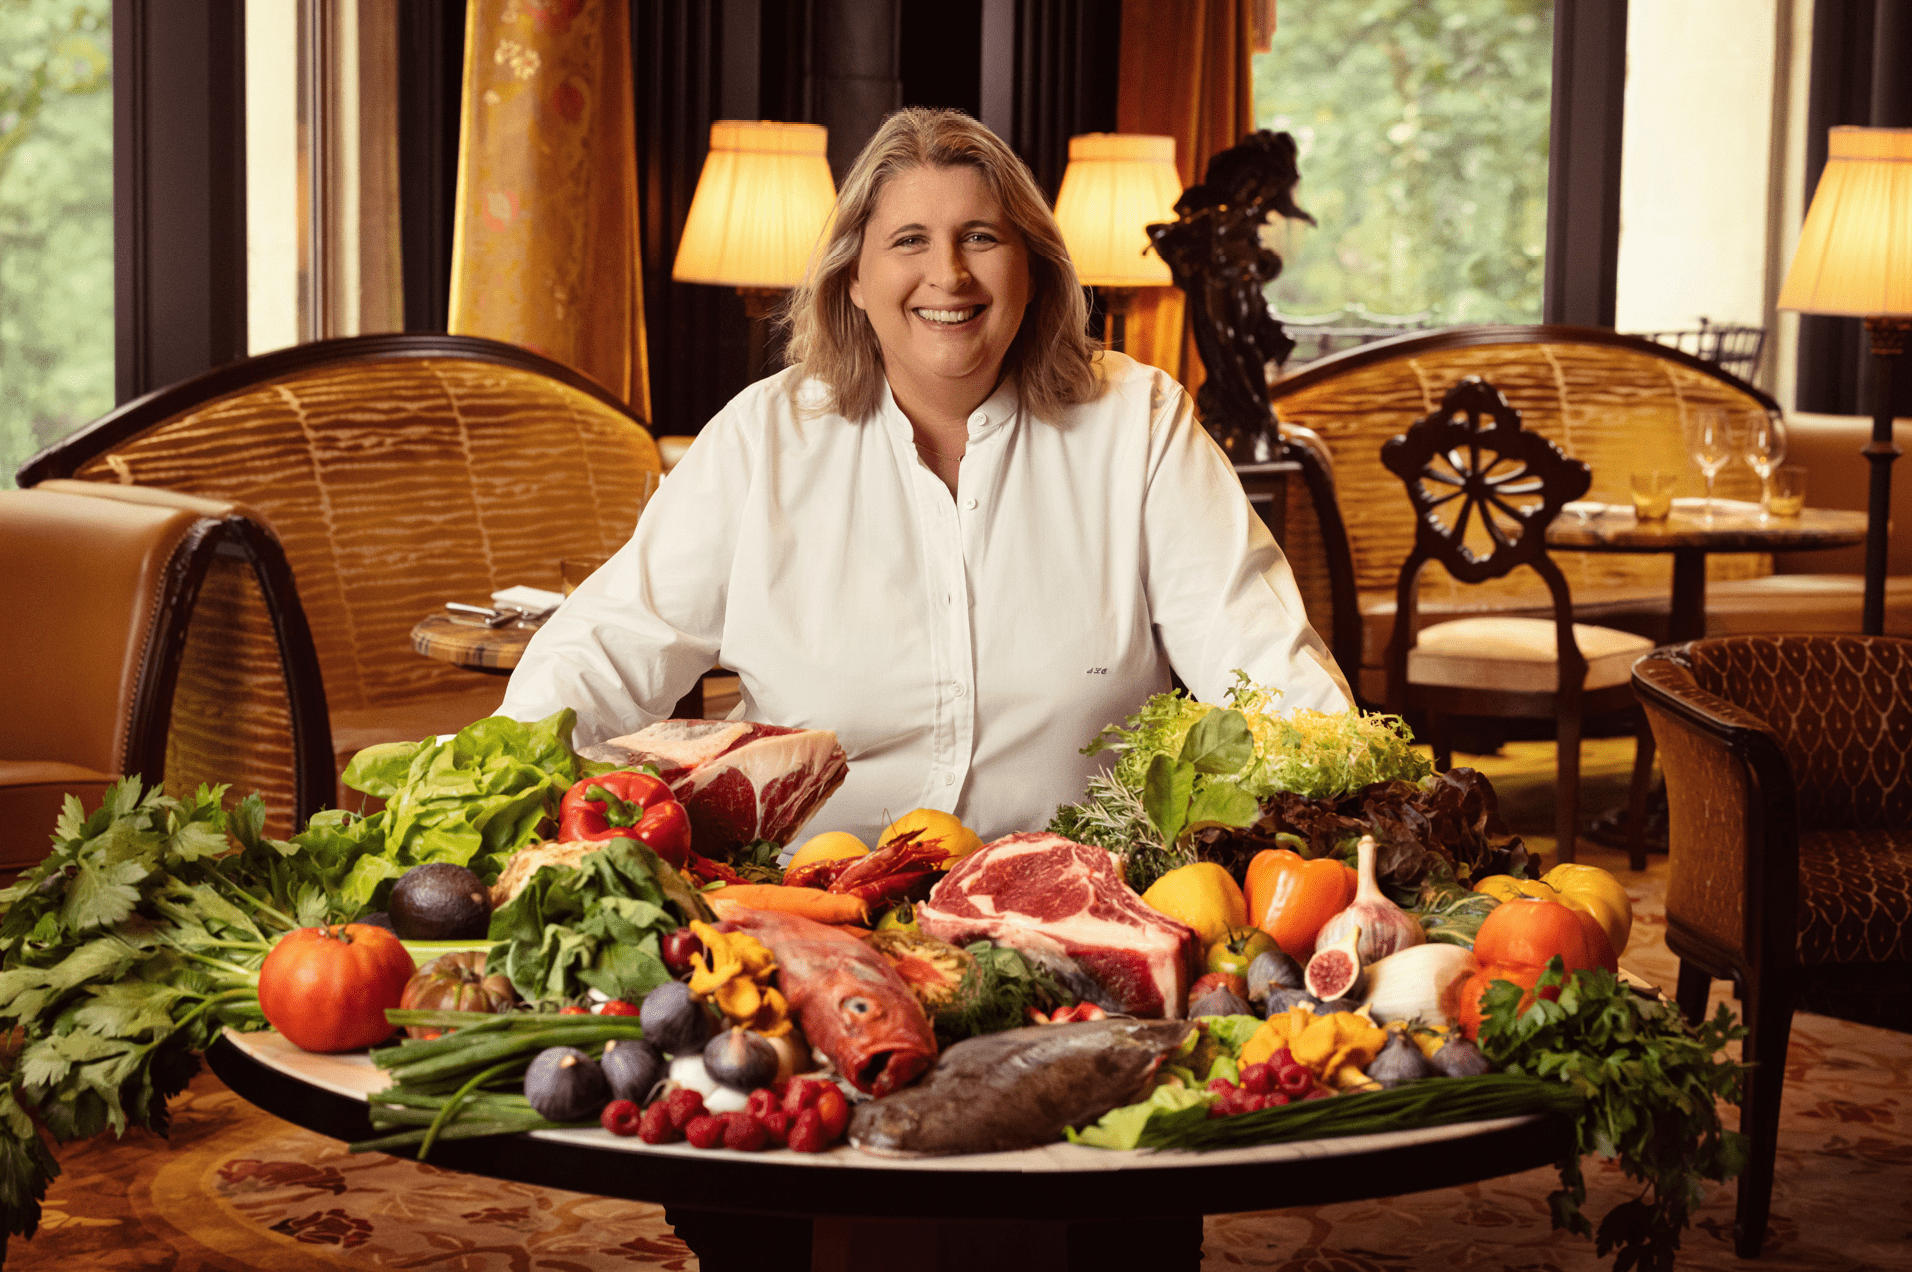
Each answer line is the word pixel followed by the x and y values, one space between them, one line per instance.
pixel 234 1189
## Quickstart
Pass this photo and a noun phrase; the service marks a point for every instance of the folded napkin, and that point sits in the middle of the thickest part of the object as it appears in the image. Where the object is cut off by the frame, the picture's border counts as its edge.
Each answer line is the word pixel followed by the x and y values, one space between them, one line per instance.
pixel 530 599
pixel 1697 503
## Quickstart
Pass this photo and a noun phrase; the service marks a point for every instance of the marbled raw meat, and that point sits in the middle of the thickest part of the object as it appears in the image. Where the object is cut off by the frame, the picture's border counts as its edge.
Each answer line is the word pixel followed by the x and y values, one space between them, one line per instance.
pixel 1065 905
pixel 740 781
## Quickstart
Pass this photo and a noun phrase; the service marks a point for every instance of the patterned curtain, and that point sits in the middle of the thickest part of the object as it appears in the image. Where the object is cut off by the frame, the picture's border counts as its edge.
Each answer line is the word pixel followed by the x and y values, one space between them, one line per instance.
pixel 1185 74
pixel 545 246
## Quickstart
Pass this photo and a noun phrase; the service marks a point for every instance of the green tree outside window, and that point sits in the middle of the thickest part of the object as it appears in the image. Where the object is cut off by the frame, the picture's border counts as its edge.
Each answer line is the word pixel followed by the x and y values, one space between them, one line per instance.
pixel 1423 134
pixel 56 222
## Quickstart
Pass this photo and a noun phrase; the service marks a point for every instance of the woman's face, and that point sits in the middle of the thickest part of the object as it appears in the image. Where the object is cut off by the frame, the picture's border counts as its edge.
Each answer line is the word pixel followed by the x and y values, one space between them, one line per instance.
pixel 944 279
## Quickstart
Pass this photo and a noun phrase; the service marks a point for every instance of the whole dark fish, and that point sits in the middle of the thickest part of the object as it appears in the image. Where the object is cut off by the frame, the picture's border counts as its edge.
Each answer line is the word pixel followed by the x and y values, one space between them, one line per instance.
pixel 1018 1089
pixel 851 1003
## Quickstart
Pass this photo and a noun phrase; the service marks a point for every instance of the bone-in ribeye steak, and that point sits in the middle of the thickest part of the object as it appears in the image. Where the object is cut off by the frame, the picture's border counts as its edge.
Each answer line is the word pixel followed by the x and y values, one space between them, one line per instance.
pixel 740 781
pixel 1065 905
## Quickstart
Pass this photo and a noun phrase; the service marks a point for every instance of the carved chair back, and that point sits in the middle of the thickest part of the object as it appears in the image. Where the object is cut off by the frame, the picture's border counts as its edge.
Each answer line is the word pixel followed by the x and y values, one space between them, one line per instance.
pixel 1483 490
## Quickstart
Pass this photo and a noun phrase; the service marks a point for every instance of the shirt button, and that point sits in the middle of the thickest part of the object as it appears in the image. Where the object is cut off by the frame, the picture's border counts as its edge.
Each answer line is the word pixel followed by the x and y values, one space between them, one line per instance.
pixel 958 690
pixel 970 503
pixel 979 419
pixel 949 779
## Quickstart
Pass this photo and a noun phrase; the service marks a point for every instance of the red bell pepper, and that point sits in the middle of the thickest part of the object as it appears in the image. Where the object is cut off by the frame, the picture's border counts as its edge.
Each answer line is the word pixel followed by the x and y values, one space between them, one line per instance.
pixel 626 805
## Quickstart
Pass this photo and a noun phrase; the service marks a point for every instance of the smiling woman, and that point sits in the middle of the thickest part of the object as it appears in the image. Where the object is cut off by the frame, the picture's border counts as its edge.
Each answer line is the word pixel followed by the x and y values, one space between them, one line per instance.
pixel 953 531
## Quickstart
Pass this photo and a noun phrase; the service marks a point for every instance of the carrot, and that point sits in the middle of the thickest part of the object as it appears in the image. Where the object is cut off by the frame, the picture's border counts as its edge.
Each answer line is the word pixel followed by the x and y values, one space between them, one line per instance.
pixel 811 903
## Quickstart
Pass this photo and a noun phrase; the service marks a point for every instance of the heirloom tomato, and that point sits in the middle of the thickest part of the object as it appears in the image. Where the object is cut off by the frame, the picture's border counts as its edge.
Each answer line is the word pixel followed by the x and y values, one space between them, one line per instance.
pixel 327 989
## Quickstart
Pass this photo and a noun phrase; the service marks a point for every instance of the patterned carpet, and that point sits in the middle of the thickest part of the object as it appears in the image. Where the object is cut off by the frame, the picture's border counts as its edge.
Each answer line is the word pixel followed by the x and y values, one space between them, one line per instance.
pixel 234 1189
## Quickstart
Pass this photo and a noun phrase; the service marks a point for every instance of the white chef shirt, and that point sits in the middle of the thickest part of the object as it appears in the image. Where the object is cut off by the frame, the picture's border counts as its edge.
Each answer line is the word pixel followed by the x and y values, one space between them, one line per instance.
pixel 964 650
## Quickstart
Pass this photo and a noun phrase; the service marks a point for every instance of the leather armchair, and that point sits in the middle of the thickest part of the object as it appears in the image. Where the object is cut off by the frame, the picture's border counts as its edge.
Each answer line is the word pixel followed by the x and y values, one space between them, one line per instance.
pixel 1788 764
pixel 104 585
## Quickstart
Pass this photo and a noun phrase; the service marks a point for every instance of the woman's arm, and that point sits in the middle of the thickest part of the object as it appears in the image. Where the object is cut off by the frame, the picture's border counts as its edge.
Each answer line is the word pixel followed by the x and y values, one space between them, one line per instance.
pixel 1220 592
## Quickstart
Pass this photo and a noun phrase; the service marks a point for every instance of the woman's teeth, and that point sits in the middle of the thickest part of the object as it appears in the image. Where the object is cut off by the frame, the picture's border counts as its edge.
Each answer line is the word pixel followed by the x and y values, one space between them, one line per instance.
pixel 950 315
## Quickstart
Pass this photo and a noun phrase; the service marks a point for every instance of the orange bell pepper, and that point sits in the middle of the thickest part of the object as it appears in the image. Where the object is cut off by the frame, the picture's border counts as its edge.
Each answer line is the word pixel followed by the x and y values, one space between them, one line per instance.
pixel 1290 897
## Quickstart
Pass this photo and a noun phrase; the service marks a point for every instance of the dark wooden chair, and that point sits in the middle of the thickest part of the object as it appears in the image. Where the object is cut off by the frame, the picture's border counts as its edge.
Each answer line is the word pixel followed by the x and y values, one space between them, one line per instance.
pixel 1484 490
pixel 1788 763
pixel 118 594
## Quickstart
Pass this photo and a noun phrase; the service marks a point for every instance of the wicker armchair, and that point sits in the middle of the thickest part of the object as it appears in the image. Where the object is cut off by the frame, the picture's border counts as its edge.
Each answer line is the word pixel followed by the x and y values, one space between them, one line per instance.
pixel 399 472
pixel 1788 763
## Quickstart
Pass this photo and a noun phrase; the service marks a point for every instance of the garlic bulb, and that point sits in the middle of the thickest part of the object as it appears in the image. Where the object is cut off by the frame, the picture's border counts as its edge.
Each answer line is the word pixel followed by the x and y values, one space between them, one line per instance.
pixel 1420 983
pixel 1385 927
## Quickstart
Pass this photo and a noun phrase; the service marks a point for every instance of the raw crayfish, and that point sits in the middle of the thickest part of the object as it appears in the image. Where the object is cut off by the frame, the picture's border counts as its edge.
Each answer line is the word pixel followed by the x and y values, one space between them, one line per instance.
pixel 888 875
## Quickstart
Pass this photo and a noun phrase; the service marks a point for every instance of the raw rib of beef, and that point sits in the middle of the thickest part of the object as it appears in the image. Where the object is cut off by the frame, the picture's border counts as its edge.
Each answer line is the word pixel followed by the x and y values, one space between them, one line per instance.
pixel 1065 905
pixel 739 781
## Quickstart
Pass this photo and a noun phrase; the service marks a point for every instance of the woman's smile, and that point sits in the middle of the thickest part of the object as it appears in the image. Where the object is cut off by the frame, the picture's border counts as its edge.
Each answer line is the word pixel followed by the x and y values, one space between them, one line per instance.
pixel 944 280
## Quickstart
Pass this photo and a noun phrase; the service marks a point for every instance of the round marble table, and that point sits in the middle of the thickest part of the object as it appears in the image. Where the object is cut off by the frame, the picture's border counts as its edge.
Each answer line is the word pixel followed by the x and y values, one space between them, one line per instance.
pixel 469 643
pixel 1060 1206
pixel 1689 534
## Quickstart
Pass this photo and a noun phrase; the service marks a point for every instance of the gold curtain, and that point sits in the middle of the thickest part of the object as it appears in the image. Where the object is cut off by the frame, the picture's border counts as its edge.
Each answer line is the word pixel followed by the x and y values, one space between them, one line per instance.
pixel 545 245
pixel 1185 74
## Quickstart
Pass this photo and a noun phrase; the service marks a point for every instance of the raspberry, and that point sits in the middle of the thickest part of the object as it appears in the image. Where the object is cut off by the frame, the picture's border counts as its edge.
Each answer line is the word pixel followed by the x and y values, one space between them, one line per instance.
pixel 617 1007
pixel 835 1112
pixel 1253 1102
pixel 684 1104
pixel 802 1094
pixel 742 1133
pixel 1294 1080
pixel 762 1101
pixel 1282 1059
pixel 1218 1109
pixel 776 1125
pixel 806 1132
pixel 1220 1086
pixel 620 1117
pixel 1258 1078
pixel 655 1126
pixel 1276 1100
pixel 705 1131
pixel 1319 1093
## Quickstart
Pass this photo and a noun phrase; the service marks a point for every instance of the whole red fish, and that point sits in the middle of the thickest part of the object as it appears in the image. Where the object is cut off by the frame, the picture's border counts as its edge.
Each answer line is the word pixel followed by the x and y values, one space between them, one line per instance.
pixel 851 1003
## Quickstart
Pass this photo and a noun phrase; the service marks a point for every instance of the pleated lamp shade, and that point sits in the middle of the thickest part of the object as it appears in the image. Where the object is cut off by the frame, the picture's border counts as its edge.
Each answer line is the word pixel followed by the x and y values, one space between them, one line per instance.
pixel 1116 185
pixel 760 206
pixel 1855 250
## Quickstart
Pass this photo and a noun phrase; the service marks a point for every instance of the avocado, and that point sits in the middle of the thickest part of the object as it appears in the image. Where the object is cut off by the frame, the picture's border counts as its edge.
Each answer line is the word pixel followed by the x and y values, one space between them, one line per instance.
pixel 440 902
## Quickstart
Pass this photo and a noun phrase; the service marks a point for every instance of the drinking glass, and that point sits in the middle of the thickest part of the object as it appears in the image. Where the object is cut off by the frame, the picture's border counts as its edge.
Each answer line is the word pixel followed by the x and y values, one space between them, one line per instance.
pixel 1760 440
pixel 1708 444
pixel 1789 491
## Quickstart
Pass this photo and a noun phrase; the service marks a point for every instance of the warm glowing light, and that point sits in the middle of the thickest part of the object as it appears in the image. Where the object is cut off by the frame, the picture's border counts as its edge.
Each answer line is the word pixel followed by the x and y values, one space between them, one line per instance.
pixel 1855 250
pixel 1116 185
pixel 760 207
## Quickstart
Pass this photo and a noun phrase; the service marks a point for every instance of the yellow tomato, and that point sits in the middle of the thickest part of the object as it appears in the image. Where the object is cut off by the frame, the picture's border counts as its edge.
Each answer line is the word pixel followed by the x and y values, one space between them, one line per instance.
pixel 958 840
pixel 1204 896
pixel 831 845
pixel 1598 893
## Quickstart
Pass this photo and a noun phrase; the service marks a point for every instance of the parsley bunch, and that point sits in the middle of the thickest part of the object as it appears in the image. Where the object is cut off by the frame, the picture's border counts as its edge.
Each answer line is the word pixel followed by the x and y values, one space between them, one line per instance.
pixel 1649 1083
pixel 122 956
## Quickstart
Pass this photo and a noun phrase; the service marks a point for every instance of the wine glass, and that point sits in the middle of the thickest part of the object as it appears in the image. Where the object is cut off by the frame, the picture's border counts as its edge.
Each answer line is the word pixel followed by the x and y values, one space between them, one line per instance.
pixel 1760 440
pixel 1708 444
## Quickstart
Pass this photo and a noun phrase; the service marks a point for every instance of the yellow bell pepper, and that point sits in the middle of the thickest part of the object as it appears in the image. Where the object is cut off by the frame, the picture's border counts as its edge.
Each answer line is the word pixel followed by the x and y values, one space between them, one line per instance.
pixel 1204 896
pixel 1587 888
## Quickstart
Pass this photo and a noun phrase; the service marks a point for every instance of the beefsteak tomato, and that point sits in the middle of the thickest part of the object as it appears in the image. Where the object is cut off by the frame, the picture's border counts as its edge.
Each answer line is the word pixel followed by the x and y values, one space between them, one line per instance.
pixel 327 989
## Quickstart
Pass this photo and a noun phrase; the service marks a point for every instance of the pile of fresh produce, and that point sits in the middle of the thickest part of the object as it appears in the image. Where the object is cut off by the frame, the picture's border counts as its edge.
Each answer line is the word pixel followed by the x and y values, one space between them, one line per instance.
pixel 1254 928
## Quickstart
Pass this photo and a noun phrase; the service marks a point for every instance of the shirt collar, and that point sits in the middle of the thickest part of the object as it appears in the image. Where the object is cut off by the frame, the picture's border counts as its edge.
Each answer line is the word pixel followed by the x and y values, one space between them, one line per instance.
pixel 996 410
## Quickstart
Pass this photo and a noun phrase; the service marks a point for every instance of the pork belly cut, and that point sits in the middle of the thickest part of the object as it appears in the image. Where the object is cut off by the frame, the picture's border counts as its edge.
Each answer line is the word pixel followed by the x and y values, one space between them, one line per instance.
pixel 740 781
pixel 1065 905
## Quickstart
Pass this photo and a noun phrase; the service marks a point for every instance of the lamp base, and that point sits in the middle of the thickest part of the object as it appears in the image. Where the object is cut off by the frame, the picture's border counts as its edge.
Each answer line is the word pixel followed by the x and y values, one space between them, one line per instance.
pixel 760 306
pixel 1115 316
pixel 1888 337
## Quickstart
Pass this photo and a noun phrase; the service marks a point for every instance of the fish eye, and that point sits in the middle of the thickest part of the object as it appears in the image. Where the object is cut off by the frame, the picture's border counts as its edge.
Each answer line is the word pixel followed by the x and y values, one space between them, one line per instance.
pixel 858 1006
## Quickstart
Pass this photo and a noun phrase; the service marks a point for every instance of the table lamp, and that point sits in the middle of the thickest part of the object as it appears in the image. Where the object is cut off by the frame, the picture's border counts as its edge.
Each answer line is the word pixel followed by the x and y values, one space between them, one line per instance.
pixel 761 203
pixel 1855 258
pixel 1115 186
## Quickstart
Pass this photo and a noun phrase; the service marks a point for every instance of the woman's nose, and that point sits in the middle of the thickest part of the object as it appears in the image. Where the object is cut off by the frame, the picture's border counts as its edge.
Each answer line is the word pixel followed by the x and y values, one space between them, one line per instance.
pixel 952 271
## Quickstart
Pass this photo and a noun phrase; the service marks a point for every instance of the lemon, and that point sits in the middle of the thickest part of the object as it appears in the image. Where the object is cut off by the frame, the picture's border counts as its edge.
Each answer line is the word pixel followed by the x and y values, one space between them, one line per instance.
pixel 1204 896
pixel 831 845
pixel 958 840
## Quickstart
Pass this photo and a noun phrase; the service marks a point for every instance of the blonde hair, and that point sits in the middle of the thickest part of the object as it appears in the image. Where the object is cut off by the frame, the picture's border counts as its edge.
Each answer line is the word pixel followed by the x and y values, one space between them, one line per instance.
pixel 831 339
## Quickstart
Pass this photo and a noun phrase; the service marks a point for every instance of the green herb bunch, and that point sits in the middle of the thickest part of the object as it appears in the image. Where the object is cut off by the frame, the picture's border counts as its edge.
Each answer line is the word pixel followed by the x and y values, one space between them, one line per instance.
pixel 122 956
pixel 1650 1084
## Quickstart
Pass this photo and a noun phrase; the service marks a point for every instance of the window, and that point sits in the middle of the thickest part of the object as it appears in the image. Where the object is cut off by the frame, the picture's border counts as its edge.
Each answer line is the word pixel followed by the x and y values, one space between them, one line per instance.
pixel 56 222
pixel 1423 139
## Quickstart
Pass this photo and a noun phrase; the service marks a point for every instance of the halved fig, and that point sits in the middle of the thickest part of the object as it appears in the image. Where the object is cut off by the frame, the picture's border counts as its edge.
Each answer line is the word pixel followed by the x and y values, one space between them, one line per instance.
pixel 1336 971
